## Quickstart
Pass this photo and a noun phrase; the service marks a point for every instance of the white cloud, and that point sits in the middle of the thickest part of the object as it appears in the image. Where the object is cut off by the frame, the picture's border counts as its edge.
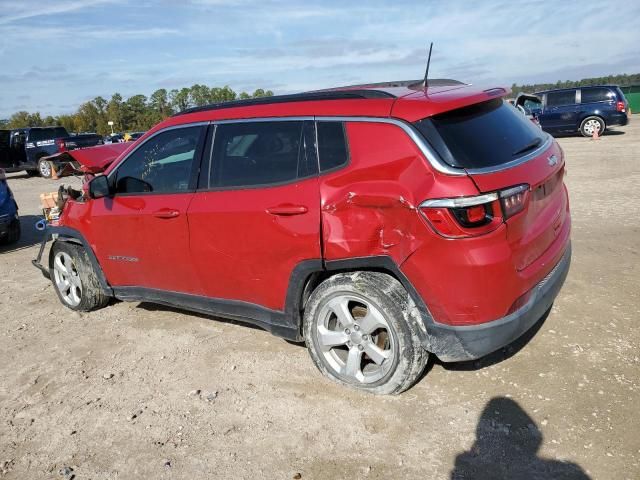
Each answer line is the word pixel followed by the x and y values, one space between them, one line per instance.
pixel 32 8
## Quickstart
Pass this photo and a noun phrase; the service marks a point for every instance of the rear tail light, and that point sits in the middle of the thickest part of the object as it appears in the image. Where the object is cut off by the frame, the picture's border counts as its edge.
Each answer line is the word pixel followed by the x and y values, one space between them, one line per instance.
pixel 620 106
pixel 62 147
pixel 513 200
pixel 472 216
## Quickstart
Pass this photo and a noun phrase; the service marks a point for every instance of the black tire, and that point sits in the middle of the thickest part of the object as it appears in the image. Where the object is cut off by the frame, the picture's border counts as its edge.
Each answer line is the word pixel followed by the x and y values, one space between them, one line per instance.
pixel 91 296
pixel 383 294
pixel 44 168
pixel 586 127
pixel 33 173
pixel 13 235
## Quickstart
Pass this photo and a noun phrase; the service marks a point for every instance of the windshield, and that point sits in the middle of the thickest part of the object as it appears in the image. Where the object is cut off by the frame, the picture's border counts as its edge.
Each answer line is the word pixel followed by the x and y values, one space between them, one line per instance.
pixel 482 135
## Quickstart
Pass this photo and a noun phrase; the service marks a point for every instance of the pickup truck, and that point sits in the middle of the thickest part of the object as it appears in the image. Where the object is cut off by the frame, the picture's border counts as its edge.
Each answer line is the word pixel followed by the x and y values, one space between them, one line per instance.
pixel 27 148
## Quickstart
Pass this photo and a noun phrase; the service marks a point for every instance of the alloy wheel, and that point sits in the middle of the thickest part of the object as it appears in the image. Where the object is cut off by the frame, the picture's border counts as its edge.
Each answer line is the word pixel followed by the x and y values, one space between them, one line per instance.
pixel 67 279
pixel 45 168
pixel 591 125
pixel 355 339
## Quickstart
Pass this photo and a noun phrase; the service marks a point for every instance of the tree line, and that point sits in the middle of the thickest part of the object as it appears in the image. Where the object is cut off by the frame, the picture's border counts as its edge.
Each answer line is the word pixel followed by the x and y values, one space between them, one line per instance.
pixel 136 113
pixel 621 80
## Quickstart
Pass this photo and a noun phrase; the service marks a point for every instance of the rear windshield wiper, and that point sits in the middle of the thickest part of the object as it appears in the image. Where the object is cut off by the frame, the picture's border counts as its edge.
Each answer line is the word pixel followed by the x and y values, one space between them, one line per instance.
pixel 529 146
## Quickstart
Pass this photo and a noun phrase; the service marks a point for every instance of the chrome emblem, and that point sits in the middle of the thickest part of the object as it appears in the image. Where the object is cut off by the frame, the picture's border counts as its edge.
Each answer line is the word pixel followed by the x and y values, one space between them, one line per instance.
pixel 552 160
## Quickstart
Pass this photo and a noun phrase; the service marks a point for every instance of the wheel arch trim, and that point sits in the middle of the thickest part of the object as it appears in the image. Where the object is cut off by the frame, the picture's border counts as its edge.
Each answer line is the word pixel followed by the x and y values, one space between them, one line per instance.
pixel 66 234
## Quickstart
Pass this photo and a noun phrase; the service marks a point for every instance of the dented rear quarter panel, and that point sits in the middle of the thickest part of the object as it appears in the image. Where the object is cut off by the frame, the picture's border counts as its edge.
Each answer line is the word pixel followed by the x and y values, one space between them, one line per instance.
pixel 370 206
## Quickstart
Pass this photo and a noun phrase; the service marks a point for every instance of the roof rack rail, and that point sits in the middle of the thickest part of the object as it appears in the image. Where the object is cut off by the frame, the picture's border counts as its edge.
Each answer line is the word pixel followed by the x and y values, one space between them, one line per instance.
pixel 296 97
pixel 413 84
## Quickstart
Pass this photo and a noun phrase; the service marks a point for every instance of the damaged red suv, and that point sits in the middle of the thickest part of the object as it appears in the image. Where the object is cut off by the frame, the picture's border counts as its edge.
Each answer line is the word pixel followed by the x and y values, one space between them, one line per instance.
pixel 377 223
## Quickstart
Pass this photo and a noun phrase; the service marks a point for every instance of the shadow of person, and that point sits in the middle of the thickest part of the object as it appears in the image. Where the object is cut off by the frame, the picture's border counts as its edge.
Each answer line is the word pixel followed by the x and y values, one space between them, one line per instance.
pixel 506 447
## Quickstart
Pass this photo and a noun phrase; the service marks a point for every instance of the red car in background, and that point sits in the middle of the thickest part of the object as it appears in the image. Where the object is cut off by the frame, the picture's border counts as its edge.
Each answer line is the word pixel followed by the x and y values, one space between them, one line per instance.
pixel 377 223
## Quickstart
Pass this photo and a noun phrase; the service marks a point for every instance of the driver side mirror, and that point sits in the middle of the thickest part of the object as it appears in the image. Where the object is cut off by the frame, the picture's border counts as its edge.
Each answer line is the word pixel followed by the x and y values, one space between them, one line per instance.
pixel 99 187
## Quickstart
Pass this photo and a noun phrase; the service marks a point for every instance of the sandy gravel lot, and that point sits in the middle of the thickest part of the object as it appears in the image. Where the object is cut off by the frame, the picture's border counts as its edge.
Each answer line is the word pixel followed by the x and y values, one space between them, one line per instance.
pixel 114 393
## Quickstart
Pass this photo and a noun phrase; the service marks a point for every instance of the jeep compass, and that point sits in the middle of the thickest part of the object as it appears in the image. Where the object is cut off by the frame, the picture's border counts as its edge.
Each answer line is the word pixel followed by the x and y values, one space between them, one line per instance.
pixel 378 224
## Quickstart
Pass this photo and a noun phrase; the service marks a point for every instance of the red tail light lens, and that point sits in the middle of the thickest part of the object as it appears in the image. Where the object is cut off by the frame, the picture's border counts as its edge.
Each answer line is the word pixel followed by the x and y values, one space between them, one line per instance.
pixel 462 217
pixel 620 106
pixel 513 200
pixel 472 216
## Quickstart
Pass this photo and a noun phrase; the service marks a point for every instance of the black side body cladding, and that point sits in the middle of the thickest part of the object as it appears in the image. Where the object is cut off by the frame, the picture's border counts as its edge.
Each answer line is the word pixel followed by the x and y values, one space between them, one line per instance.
pixel 449 343
pixel 66 234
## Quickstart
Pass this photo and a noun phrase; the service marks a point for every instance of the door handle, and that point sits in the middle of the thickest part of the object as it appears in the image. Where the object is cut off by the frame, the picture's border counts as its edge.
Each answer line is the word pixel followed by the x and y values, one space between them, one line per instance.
pixel 166 213
pixel 287 210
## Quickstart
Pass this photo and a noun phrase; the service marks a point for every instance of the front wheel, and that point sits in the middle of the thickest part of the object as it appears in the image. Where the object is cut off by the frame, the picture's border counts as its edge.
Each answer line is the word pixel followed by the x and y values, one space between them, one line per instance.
pixel 361 330
pixel 591 124
pixel 74 278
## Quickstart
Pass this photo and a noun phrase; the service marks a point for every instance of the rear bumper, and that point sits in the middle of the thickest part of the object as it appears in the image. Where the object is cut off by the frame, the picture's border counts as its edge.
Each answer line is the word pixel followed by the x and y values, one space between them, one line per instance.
pixel 617 119
pixel 459 343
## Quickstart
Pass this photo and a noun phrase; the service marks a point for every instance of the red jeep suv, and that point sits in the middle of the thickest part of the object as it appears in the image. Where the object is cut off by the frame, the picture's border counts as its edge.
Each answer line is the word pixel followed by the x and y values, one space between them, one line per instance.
pixel 376 223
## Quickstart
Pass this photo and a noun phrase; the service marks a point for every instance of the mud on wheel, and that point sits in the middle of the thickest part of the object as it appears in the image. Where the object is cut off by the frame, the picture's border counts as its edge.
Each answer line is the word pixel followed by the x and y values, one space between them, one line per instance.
pixel 361 331
pixel 74 278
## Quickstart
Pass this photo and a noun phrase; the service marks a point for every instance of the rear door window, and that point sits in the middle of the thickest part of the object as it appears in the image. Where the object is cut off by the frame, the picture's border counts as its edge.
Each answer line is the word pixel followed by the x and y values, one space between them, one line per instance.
pixel 256 153
pixel 596 94
pixel 42 134
pixel 332 145
pixel 482 135
pixel 558 99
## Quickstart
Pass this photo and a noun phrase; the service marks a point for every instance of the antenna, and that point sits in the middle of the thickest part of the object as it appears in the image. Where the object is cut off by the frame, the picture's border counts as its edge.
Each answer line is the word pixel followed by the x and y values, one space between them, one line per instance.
pixel 426 73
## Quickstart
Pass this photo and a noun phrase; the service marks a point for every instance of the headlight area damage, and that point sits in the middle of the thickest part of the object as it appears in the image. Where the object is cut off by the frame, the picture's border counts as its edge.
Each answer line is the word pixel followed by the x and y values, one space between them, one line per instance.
pixel 85 161
pixel 88 162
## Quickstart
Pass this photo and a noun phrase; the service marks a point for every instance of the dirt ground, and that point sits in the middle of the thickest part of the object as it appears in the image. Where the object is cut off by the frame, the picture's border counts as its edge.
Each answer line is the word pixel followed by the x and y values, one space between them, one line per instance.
pixel 140 391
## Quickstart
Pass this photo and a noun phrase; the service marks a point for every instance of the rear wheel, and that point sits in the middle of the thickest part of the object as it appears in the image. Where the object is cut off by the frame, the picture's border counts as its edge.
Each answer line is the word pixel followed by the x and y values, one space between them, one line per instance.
pixel 361 331
pixel 74 278
pixel 13 234
pixel 591 124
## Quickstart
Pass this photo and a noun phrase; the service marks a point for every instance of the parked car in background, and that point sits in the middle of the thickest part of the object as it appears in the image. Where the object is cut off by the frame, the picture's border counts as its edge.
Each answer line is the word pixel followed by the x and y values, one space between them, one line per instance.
pixel 9 219
pixel 27 148
pixel 133 136
pixel 529 105
pixel 376 223
pixel 114 138
pixel 583 109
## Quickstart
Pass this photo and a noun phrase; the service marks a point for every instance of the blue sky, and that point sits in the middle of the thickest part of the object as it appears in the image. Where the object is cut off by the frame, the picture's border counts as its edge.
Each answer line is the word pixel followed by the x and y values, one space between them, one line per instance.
pixel 55 54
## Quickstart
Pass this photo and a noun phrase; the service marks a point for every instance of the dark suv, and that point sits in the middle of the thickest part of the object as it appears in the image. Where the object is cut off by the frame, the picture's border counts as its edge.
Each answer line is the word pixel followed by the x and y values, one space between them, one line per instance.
pixel 376 223
pixel 583 109
pixel 28 148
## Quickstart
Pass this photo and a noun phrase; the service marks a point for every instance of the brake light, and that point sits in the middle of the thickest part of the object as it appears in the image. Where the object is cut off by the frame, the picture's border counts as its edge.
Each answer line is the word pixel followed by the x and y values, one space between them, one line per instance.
pixel 513 200
pixel 472 216
pixel 464 216
pixel 620 106
pixel 62 147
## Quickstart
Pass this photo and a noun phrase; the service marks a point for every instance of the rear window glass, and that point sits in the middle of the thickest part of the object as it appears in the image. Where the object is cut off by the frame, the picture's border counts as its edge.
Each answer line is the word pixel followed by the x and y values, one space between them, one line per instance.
pixel 481 135
pixel 40 134
pixel 556 99
pixel 332 145
pixel 596 95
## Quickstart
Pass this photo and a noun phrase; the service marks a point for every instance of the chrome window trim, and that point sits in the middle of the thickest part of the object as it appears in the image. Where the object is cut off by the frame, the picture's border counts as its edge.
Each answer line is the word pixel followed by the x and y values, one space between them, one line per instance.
pixel 514 163
pixel 263 119
pixel 459 202
pixel 153 135
pixel 429 153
